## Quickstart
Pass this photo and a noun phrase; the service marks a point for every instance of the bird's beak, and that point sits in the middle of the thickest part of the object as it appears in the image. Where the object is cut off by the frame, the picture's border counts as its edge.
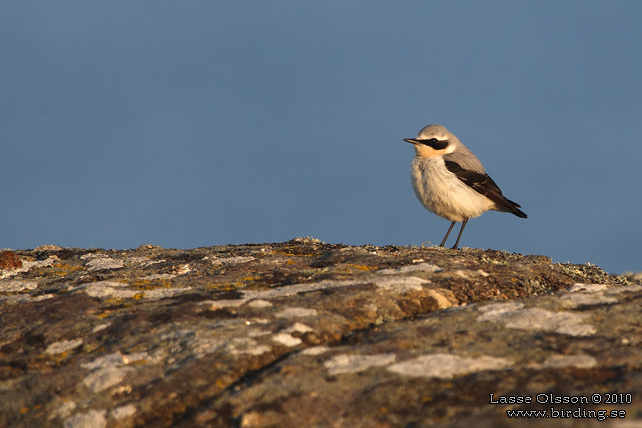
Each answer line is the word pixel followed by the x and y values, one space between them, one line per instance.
pixel 411 140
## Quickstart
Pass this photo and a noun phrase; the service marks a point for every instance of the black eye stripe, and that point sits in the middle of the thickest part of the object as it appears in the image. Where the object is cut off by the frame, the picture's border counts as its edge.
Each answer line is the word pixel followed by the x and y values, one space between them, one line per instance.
pixel 435 143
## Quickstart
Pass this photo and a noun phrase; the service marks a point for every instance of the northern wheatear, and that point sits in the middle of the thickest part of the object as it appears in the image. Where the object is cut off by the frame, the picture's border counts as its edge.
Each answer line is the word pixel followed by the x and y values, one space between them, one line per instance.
pixel 451 182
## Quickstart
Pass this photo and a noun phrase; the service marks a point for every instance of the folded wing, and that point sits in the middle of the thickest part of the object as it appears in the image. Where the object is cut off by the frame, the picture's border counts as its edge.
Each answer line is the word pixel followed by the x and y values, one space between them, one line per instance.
pixel 485 185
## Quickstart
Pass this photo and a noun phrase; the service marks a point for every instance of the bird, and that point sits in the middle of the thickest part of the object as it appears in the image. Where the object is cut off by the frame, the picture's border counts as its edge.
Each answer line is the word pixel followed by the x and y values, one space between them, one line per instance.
pixel 451 182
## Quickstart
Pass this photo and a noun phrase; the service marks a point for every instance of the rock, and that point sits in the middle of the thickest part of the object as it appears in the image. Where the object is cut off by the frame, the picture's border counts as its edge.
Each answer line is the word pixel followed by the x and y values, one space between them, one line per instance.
pixel 303 333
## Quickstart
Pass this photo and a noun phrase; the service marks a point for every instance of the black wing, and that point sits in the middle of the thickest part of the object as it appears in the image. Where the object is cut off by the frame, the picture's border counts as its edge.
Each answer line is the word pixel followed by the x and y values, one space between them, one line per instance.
pixel 485 185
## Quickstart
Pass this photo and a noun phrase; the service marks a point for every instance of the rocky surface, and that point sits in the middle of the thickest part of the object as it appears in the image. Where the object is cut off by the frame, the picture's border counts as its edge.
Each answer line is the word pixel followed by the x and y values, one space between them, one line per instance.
pixel 307 334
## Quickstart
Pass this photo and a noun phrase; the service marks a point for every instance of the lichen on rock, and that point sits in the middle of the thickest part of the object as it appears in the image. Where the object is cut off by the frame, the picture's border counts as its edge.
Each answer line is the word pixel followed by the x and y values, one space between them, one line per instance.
pixel 301 332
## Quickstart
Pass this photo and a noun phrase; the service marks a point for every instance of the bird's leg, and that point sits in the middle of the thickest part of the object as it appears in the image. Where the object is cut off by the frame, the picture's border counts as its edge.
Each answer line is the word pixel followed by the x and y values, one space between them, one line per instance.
pixel 447 233
pixel 463 224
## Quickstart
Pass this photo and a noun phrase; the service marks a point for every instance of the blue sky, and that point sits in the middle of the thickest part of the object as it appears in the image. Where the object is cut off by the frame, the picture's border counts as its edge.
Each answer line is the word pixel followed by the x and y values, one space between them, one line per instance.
pixel 186 124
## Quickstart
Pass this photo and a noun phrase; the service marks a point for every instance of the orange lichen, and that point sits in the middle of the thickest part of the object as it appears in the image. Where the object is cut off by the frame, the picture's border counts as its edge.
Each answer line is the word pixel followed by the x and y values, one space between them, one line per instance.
pixel 63 269
pixel 224 285
pixel 9 260
pixel 361 267
pixel 147 284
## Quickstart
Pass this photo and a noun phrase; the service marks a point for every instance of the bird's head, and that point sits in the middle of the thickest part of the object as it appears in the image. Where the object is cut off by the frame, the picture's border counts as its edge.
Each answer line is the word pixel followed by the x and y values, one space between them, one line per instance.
pixel 434 140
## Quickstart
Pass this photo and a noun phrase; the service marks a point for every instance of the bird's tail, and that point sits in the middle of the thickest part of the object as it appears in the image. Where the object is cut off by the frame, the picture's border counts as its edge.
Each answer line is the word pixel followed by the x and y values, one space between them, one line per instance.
pixel 514 207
